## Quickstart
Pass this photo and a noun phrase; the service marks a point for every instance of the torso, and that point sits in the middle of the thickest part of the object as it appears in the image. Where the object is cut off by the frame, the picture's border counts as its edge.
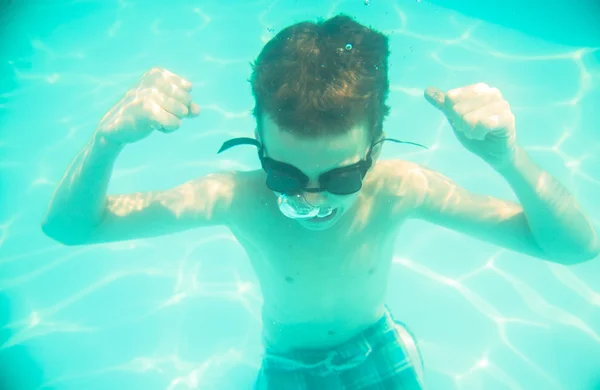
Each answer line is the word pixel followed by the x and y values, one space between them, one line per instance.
pixel 320 288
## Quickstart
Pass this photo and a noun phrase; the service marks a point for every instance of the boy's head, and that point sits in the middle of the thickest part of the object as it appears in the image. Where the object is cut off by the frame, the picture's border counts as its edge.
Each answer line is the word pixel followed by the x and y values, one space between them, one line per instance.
pixel 320 91
pixel 321 79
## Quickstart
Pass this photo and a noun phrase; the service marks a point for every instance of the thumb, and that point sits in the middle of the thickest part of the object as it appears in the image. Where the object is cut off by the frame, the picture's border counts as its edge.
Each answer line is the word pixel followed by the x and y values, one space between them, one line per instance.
pixel 436 97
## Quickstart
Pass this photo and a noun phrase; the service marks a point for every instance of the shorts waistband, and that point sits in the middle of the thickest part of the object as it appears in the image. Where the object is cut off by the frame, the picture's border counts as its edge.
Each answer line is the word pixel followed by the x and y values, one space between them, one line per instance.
pixel 346 355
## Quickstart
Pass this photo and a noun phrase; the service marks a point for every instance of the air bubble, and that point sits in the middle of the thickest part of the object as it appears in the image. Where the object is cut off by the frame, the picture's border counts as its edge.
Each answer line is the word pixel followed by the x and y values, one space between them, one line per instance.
pixel 348 46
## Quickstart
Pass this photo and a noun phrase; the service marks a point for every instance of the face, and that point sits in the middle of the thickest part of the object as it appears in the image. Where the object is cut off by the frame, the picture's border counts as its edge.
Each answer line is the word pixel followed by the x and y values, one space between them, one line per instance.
pixel 314 156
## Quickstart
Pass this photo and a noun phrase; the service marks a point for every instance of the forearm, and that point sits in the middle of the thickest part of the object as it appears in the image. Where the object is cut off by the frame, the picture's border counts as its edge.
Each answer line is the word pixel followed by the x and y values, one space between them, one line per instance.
pixel 80 198
pixel 556 221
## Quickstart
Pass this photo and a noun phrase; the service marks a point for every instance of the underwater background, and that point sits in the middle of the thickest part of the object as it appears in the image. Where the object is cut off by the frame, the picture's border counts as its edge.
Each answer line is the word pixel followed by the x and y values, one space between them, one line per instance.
pixel 183 311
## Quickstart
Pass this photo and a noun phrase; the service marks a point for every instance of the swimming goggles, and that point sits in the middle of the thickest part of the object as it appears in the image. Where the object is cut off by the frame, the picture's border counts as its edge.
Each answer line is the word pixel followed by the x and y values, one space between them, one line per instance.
pixel 287 179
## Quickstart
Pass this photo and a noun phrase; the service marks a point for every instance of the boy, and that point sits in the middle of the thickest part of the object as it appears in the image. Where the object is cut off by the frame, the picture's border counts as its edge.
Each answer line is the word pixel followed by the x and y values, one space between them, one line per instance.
pixel 319 220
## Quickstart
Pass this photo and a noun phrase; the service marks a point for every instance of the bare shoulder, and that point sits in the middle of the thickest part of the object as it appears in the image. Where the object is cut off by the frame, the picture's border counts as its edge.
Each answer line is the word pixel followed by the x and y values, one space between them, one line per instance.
pixel 248 192
pixel 401 183
pixel 250 186
pixel 205 200
pixel 211 199
pixel 397 177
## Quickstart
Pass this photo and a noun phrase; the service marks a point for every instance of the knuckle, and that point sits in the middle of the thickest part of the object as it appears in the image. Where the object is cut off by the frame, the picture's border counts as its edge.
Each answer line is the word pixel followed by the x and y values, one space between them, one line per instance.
pixel 143 92
pixel 150 106
pixel 453 93
pixel 184 110
pixel 149 73
pixel 146 105
pixel 151 93
pixel 460 109
pixel 496 93
pixel 503 106
pixel 491 121
pixel 471 118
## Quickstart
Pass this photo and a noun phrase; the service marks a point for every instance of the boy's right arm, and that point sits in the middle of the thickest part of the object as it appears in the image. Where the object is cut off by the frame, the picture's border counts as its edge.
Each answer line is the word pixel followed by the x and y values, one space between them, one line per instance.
pixel 81 212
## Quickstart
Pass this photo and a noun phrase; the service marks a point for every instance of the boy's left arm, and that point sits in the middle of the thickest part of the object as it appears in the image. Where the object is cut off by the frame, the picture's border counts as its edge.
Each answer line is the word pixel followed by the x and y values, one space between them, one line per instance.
pixel 547 223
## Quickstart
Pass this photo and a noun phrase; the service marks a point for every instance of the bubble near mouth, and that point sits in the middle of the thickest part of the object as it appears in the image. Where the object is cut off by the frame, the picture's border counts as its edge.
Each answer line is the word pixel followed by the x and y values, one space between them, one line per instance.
pixel 325 212
pixel 324 215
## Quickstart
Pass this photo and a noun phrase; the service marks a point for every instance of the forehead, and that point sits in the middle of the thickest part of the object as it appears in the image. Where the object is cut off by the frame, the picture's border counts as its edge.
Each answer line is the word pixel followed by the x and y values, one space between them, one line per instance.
pixel 316 154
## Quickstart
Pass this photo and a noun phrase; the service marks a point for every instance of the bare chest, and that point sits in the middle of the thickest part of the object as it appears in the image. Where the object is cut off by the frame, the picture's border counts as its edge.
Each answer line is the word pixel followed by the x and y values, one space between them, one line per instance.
pixel 297 259
pixel 303 274
pixel 319 288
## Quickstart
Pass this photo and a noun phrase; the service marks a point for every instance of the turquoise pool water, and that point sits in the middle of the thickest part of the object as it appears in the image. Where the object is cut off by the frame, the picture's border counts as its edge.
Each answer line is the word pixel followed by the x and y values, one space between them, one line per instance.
pixel 182 311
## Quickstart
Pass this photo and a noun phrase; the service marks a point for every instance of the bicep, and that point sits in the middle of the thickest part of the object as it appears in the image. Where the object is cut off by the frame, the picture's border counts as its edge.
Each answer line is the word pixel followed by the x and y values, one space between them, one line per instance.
pixel 439 200
pixel 206 201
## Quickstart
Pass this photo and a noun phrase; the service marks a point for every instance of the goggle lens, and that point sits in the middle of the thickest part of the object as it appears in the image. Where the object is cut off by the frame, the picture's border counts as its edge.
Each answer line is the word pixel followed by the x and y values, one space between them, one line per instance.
pixel 341 183
pixel 344 183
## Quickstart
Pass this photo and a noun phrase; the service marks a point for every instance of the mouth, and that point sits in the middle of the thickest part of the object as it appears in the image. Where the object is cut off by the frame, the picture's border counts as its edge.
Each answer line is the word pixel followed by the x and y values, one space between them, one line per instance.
pixel 323 217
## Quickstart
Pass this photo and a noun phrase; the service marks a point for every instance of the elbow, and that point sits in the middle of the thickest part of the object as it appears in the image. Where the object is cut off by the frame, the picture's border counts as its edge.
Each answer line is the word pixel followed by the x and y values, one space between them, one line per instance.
pixel 591 251
pixel 62 234
pixel 594 252
pixel 573 251
pixel 53 233
pixel 577 257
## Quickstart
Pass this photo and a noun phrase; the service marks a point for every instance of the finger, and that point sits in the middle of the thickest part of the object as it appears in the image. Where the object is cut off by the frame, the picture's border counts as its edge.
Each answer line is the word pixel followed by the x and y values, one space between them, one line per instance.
pixel 178 80
pixel 194 109
pixel 174 91
pixel 474 129
pixel 476 89
pixel 466 126
pixel 484 120
pixel 167 121
pixel 502 125
pixel 462 94
pixel 174 107
pixel 479 132
pixel 181 95
pixel 477 102
pixel 436 97
pixel 166 103
pixel 162 120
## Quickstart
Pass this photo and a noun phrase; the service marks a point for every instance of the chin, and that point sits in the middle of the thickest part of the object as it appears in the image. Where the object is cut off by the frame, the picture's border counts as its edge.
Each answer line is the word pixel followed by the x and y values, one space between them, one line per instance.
pixel 324 224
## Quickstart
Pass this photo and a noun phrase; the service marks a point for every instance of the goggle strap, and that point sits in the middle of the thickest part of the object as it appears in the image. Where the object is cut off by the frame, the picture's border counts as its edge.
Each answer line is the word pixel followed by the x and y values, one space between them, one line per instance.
pixel 252 141
pixel 401 142
pixel 239 141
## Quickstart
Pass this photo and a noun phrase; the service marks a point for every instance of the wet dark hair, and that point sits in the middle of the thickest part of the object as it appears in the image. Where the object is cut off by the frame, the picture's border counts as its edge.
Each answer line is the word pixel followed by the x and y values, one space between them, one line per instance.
pixel 323 78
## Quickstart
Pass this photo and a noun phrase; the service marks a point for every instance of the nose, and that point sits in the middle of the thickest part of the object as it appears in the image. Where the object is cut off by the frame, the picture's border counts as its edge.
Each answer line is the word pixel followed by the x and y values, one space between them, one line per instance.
pixel 316 198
